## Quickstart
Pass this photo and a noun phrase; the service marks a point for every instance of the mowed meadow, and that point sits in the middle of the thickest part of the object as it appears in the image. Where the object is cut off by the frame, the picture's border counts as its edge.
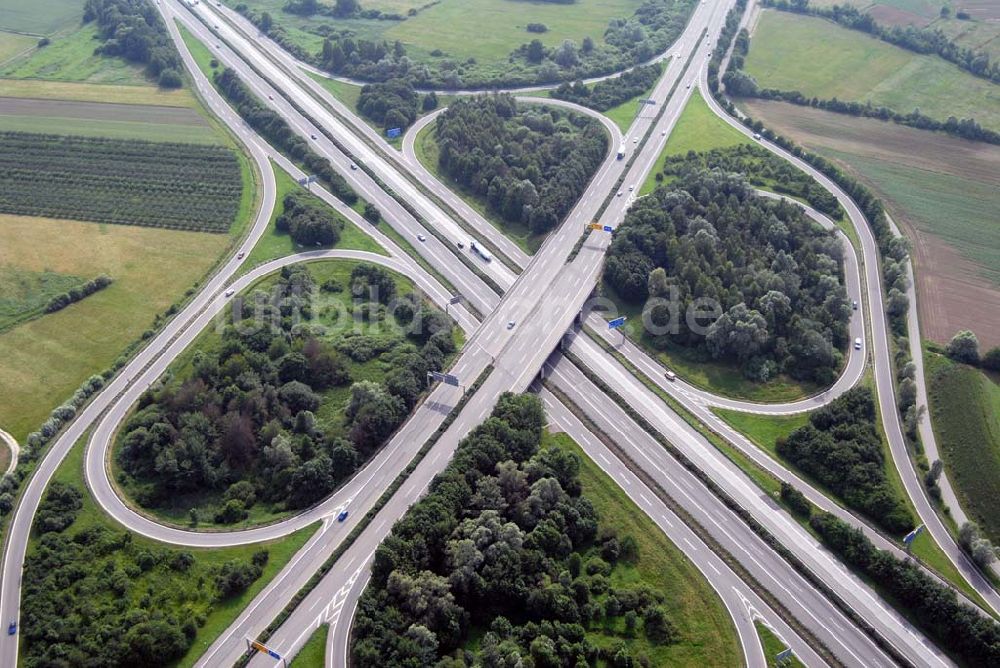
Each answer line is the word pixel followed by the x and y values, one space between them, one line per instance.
pixel 821 59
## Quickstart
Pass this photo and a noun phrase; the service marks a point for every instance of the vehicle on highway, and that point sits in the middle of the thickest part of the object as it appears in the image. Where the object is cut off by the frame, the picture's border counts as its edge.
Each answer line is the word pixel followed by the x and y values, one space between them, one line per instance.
pixel 313 136
pixel 342 516
pixel 854 304
pixel 510 324
pixel 12 628
pixel 482 252
pixel 621 153
pixel 619 193
pixel 857 343
pixel 756 136
pixel 239 256
pixel 421 237
pixel 270 97
pixel 631 188
pixel 635 141
pixel 688 86
pixel 663 134
pixel 353 166
pixel 460 244
pixel 230 292
pixel 671 376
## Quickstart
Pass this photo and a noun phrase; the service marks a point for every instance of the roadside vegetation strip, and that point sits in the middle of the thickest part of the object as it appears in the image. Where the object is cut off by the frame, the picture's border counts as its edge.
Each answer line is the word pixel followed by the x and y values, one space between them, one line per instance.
pixel 366 520
pixel 180 599
pixel 965 414
pixel 182 186
pixel 757 528
pixel 694 525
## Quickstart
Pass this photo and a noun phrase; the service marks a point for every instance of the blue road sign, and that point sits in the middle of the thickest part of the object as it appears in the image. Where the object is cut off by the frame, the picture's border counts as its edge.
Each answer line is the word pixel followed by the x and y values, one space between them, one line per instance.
pixel 784 654
pixel 392 133
pixel 616 323
pixel 273 654
pixel 908 538
pixel 445 378
pixel 608 228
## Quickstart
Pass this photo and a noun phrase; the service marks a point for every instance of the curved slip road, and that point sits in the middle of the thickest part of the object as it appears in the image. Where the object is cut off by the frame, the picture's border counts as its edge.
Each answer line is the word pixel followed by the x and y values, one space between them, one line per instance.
pixel 880 352
pixel 14 450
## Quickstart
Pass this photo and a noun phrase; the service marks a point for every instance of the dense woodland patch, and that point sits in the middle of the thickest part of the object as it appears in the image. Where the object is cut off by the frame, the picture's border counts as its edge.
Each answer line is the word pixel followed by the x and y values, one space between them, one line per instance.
pixel 505 544
pixel 610 92
pixel 841 448
pixel 174 186
pixel 133 30
pixel 529 163
pixel 290 402
pixel 774 273
pixel 94 595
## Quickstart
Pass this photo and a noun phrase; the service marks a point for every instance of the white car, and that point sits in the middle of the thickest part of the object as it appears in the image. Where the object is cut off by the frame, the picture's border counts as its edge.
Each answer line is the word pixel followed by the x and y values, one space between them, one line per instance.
pixel 353 166
pixel 230 292
pixel 421 237
pixel 239 256
pixel 857 343
pixel 635 141
pixel 663 134
pixel 671 376
pixel 619 193
pixel 854 305
pixel 510 324
pixel 688 86
pixel 631 188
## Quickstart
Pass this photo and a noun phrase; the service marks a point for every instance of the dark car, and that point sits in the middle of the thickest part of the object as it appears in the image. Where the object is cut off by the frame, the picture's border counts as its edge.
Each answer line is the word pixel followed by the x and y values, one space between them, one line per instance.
pixel 12 628
pixel 342 516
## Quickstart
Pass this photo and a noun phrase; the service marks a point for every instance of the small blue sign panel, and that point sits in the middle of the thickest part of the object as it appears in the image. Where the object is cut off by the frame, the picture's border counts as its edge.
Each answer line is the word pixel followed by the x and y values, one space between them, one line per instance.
pixel 392 133
pixel 608 228
pixel 273 654
pixel 616 323
pixel 784 654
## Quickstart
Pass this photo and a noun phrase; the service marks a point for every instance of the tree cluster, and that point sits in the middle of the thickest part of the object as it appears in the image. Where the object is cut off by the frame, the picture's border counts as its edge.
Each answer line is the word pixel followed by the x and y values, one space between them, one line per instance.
pixel 971 635
pixel 530 165
pixel 243 425
pixel 761 168
pixel 307 221
pixel 273 127
pixel 773 273
pixel 63 300
pixel 391 104
pixel 93 596
pixel 842 449
pixel 911 37
pixel 964 347
pixel 371 60
pixel 504 541
pixel 133 30
pixel 610 92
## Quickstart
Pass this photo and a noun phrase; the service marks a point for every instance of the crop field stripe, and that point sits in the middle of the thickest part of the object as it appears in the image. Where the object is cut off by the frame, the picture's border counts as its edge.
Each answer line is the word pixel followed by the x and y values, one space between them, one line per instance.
pixel 174 186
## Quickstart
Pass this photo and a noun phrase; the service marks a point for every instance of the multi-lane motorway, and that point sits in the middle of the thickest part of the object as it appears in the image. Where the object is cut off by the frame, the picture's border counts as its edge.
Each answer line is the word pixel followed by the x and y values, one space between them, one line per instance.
pixel 542 295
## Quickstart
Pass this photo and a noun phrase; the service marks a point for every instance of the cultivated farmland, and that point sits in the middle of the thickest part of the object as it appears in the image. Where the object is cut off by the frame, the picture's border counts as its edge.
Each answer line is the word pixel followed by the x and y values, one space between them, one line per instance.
pixel 944 192
pixel 116 121
pixel 965 411
pixel 821 59
pixel 174 186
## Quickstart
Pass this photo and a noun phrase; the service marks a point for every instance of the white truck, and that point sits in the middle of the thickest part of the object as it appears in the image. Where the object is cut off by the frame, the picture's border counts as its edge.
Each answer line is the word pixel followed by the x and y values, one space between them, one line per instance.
pixel 480 251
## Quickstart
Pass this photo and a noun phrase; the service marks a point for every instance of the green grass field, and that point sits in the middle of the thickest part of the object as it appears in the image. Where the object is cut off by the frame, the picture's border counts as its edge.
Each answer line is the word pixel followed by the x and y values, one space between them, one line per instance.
pixel 274 244
pixel 163 582
pixel 12 44
pixel 707 636
pixel 24 294
pixel 965 413
pixel 39 17
pixel 86 92
pixel 763 430
pixel 313 653
pixel 697 129
pixel 46 359
pixel 772 646
pixel 71 58
pixel 819 58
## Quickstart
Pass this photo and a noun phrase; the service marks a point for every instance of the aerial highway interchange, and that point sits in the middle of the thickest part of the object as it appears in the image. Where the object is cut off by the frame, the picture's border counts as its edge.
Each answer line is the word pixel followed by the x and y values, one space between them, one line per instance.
pixel 520 314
